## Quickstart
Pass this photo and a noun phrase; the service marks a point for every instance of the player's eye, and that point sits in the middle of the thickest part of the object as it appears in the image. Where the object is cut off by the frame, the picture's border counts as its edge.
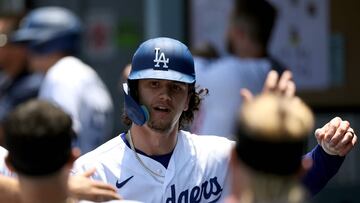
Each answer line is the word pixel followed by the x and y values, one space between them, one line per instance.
pixel 178 87
pixel 154 83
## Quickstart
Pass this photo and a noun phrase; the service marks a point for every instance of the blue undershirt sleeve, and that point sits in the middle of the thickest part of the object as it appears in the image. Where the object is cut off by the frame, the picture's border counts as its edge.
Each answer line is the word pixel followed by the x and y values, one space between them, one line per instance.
pixel 324 167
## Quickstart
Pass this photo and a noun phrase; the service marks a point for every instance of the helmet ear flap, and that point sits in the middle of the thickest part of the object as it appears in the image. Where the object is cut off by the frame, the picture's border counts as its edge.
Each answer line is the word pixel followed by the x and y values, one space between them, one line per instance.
pixel 133 89
pixel 136 112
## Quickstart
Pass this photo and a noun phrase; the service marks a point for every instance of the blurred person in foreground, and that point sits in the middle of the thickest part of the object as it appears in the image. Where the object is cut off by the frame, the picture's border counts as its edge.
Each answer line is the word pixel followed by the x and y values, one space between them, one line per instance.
pixel 80 186
pixel 39 136
pixel 52 36
pixel 279 126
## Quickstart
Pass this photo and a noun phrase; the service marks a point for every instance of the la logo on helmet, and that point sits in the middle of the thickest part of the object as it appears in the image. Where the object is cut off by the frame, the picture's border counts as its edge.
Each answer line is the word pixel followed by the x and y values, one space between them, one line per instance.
pixel 160 59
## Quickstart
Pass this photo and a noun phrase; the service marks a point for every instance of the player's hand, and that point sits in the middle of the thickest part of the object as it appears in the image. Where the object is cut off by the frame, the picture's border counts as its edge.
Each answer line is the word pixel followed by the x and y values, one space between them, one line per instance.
pixel 83 188
pixel 336 137
pixel 283 85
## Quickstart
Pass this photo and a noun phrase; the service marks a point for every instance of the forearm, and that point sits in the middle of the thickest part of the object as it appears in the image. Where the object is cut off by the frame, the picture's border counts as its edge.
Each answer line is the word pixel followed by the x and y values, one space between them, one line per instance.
pixel 324 167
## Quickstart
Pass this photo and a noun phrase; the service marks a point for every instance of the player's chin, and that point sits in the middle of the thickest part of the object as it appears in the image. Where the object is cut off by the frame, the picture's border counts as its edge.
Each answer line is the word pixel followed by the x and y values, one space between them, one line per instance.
pixel 160 125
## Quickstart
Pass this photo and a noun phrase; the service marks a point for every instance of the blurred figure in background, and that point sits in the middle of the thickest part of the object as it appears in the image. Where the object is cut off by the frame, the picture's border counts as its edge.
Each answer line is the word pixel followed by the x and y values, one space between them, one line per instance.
pixel 279 126
pixel 17 84
pixel 249 31
pixel 52 36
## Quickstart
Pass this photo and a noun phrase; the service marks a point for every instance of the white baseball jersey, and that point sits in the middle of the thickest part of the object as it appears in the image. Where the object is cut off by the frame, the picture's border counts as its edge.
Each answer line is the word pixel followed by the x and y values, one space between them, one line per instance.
pixel 112 201
pixel 79 91
pixel 197 170
pixel 4 170
pixel 224 78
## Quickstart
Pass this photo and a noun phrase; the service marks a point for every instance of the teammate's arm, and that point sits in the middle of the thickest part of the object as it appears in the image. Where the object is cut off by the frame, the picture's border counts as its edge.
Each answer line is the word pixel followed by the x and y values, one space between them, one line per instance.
pixel 336 138
pixel 82 187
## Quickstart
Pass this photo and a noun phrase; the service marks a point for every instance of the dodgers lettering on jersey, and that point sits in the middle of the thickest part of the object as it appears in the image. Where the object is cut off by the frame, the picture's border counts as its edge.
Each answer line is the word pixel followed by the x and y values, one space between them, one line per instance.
pixel 196 172
pixel 209 190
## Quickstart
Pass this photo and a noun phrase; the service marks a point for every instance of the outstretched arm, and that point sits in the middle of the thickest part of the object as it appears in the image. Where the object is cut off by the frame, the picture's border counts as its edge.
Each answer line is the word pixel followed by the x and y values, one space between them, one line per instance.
pixel 335 140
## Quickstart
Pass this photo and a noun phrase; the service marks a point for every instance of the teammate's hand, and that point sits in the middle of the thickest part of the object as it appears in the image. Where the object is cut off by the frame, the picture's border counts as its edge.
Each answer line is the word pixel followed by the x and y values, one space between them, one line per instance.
pixel 283 85
pixel 336 137
pixel 83 188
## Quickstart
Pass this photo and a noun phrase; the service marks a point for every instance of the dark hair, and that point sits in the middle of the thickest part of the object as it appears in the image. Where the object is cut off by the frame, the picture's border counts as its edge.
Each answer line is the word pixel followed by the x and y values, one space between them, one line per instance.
pixel 38 136
pixel 186 117
pixel 194 104
pixel 259 15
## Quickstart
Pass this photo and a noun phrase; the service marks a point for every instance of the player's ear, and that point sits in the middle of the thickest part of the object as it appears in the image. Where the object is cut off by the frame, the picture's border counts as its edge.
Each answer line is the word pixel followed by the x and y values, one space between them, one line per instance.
pixel 306 164
pixel 8 164
pixel 188 100
pixel 187 103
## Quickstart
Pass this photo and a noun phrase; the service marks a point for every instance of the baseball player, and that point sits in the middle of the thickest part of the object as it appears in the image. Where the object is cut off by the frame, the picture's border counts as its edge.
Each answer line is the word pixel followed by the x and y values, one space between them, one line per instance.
pixel 52 36
pixel 17 83
pixel 156 161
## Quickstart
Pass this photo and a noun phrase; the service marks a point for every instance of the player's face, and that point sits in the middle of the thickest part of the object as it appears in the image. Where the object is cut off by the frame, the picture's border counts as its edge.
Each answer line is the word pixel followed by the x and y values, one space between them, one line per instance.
pixel 39 63
pixel 165 100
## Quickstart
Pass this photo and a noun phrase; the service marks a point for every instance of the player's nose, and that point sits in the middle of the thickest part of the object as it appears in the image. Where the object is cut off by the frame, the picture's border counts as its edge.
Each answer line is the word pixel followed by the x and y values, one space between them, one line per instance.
pixel 165 93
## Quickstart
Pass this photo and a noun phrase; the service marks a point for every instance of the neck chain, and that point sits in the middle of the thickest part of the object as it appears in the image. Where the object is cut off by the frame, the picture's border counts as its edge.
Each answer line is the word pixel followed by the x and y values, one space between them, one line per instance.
pixel 155 175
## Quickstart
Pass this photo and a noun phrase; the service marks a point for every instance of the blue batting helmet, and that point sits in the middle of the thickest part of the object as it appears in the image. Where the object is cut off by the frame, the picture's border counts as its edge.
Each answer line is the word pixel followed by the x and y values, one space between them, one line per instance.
pixel 163 58
pixel 49 29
